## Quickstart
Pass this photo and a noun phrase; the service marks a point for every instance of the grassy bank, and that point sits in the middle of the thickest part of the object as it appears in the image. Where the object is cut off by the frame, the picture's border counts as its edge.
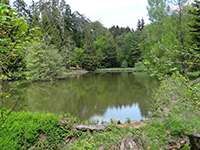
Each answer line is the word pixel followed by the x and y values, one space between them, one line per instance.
pixel 139 67
pixel 115 70
pixel 174 120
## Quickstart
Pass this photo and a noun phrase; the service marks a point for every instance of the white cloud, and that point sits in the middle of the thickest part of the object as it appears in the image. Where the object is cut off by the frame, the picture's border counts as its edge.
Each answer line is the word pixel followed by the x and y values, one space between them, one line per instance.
pixel 110 12
pixel 92 6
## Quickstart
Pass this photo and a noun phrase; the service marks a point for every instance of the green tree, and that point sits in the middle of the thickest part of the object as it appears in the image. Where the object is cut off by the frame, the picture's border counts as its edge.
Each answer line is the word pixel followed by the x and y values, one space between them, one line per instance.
pixel 44 61
pixel 14 35
pixel 127 51
pixel 34 15
pixel 21 7
pixel 138 38
pixel 90 57
pixel 195 23
pixel 140 24
pixel 106 49
pixel 97 29
pixel 169 29
pixel 119 40
pixel 13 40
pixel 195 28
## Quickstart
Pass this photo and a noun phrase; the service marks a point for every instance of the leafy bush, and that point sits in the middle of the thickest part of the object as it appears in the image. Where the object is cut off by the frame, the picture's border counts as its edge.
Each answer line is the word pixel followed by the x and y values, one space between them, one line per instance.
pixel 22 129
pixel 139 67
pixel 44 61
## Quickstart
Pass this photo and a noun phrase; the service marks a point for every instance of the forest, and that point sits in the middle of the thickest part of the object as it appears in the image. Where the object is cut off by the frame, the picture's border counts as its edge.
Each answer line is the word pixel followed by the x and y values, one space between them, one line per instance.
pixel 69 39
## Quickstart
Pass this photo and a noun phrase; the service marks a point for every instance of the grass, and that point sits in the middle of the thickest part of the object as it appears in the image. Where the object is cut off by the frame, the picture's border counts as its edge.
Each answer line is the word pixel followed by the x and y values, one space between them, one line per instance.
pixel 115 70
pixel 193 75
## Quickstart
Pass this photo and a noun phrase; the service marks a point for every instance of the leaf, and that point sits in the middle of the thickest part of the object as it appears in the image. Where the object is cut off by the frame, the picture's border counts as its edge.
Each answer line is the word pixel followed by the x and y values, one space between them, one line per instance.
pixel 20 52
pixel 3 109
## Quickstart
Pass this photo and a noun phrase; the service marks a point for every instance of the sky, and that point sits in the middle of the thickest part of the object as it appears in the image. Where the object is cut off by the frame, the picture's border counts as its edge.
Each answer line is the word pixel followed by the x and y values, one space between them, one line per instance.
pixel 110 12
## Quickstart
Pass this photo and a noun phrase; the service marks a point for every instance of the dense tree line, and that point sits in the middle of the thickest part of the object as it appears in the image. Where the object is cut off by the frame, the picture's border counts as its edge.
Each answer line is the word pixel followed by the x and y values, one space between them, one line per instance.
pixel 70 39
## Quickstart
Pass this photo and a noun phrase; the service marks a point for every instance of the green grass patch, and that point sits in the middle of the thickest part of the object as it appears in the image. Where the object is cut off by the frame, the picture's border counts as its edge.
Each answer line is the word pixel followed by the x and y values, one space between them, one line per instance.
pixel 115 70
pixel 22 129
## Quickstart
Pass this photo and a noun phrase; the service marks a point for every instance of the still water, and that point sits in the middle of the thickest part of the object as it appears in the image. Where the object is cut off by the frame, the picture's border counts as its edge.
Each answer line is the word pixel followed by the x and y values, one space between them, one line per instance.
pixel 93 96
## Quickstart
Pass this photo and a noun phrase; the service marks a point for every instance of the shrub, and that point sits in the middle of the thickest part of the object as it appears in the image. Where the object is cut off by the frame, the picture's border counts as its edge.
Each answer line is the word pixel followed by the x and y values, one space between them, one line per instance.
pixel 23 129
pixel 44 61
pixel 139 67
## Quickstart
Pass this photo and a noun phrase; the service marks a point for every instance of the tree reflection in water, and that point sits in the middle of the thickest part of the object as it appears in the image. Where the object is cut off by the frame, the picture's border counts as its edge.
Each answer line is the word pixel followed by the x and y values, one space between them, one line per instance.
pixel 116 95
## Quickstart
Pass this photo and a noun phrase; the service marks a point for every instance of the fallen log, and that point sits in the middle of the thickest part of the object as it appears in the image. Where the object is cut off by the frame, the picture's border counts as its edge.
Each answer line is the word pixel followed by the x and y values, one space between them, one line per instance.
pixel 130 142
pixel 85 127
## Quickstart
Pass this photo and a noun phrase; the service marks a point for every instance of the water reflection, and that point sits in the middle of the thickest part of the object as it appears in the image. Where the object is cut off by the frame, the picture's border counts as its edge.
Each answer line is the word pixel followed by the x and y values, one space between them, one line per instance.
pixel 93 96
pixel 122 114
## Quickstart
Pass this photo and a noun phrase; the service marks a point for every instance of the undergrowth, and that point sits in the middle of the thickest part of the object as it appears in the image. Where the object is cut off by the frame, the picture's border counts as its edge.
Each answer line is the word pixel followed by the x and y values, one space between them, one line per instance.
pixel 22 129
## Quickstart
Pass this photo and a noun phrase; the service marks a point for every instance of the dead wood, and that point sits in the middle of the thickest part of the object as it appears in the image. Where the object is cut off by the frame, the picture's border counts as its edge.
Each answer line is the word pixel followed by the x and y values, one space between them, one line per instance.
pixel 84 127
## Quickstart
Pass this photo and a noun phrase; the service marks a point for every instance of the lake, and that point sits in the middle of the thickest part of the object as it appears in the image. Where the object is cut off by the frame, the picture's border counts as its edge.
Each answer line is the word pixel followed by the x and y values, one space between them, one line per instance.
pixel 92 96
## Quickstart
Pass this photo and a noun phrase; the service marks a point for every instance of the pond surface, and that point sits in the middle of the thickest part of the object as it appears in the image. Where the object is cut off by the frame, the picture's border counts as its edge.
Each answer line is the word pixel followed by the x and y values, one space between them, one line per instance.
pixel 93 96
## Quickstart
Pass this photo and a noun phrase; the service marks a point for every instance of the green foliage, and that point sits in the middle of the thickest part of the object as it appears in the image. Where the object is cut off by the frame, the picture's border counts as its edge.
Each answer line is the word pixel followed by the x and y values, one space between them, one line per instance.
pixel 118 31
pixel 91 61
pixel 43 61
pixel 128 48
pixel 14 36
pixel 195 23
pixel 186 147
pixel 173 103
pixel 22 131
pixel 127 51
pixel 106 49
pixel 167 36
pixel 76 58
pixel 21 7
pixel 139 67
pixel 13 40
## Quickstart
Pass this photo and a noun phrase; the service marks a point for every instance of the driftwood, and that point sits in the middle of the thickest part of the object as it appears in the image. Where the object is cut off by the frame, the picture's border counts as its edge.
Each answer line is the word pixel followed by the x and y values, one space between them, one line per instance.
pixel 68 142
pixel 196 135
pixel 176 144
pixel 89 127
pixel 130 142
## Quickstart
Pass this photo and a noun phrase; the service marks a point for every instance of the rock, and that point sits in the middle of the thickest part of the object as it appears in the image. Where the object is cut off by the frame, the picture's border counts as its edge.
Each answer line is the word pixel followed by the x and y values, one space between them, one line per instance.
pixel 130 142
pixel 168 132
pixel 65 121
pixel 131 125
pixel 176 144
pixel 156 141
pixel 89 127
pixel 166 110
pixel 80 71
pixel 41 138
pixel 101 148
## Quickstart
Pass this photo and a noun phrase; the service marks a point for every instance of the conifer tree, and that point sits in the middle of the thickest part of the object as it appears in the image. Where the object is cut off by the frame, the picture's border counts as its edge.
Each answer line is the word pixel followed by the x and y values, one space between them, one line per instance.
pixel 21 7
pixel 195 23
